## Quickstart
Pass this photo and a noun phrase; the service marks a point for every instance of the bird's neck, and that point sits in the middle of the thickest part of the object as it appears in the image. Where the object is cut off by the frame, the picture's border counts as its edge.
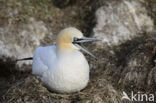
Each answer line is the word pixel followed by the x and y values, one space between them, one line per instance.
pixel 64 48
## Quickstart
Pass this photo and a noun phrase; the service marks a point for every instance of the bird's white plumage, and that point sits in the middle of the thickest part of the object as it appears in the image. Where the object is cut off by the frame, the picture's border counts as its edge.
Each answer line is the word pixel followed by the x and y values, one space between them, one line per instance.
pixel 62 68
pixel 70 73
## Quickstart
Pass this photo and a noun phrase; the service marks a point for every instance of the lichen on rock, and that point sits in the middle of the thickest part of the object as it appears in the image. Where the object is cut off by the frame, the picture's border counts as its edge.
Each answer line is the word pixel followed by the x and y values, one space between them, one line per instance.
pixel 122 20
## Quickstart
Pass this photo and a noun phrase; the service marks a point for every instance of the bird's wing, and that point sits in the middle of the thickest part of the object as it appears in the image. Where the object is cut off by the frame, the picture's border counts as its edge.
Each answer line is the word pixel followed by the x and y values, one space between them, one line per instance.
pixel 43 57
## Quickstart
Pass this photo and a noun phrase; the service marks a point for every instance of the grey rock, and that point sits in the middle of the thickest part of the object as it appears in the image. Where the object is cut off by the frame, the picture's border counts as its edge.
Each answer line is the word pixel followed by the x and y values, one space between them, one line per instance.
pixel 20 42
pixel 119 21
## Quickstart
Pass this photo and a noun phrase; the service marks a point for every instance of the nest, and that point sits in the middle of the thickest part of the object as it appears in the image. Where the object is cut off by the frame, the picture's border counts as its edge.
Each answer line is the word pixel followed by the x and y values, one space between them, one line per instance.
pixel 31 90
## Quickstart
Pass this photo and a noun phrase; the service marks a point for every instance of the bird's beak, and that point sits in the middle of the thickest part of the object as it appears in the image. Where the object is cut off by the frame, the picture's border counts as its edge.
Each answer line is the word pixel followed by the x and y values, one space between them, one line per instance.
pixel 78 42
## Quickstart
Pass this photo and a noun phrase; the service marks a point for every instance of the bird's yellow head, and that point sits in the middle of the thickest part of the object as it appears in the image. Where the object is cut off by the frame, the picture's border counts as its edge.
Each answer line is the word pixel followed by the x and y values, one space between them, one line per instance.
pixel 66 37
pixel 71 38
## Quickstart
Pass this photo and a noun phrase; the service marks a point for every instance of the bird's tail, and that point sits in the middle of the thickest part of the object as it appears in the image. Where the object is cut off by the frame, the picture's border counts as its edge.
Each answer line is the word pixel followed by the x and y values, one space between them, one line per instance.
pixel 30 58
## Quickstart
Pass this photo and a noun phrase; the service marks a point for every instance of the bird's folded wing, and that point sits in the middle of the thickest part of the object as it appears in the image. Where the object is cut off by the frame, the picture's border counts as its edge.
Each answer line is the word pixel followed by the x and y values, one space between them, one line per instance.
pixel 42 59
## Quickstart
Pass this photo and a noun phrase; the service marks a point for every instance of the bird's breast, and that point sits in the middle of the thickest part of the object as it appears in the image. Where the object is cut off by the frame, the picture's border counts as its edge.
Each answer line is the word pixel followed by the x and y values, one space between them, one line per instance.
pixel 71 64
pixel 71 73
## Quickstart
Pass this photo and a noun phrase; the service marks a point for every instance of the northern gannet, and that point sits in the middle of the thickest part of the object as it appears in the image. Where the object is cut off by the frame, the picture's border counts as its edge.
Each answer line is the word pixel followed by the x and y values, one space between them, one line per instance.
pixel 62 67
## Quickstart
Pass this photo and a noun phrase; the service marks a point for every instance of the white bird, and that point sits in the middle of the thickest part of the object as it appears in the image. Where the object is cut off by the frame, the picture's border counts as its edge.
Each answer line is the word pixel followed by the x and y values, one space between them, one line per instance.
pixel 62 67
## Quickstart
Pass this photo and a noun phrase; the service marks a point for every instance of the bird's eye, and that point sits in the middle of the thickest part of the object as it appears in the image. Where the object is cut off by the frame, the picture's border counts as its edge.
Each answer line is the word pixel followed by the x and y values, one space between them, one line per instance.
pixel 75 39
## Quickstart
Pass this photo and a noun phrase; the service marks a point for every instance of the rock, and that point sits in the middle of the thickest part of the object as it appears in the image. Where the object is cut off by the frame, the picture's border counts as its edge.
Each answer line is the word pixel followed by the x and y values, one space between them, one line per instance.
pixel 119 21
pixel 20 42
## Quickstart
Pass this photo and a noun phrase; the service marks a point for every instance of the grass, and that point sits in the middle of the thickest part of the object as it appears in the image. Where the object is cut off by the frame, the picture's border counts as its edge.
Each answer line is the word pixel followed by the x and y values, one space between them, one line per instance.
pixel 34 8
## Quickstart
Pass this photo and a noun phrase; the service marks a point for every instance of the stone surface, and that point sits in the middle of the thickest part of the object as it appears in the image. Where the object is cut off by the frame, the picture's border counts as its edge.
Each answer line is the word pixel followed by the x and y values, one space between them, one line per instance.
pixel 121 20
pixel 20 42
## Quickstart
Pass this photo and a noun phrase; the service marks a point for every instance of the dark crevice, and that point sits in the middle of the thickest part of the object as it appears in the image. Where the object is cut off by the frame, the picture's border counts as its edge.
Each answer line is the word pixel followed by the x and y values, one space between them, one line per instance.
pixel 63 3
pixel 10 74
pixel 124 51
